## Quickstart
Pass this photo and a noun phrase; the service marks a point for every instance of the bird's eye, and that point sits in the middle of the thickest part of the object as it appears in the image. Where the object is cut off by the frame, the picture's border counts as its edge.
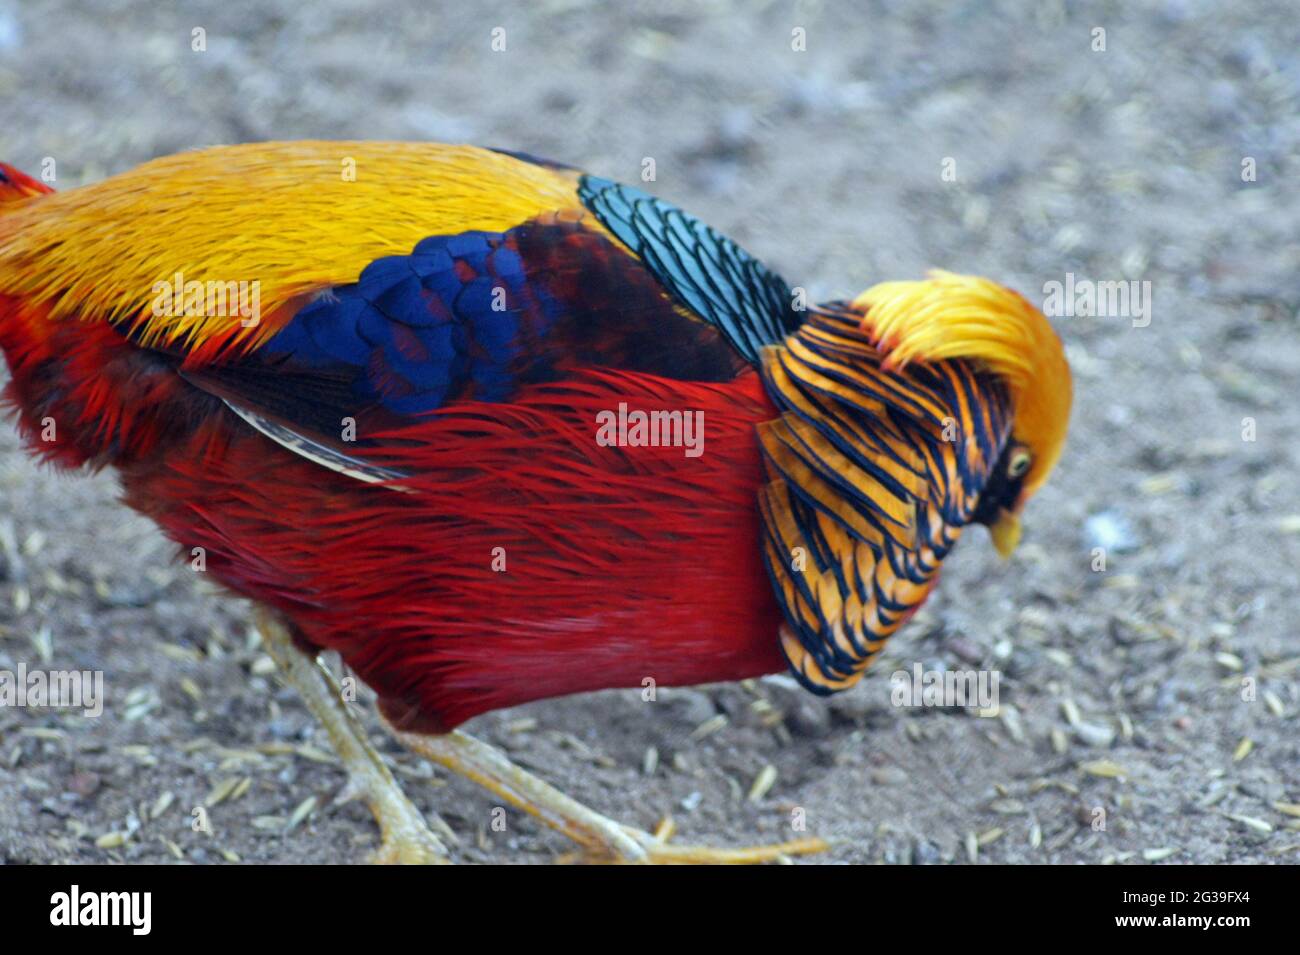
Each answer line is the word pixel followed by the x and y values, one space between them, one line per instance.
pixel 1019 463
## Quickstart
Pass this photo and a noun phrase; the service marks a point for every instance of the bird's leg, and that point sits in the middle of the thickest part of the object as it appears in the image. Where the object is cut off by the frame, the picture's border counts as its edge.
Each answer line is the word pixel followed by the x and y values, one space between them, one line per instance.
pixel 603 838
pixel 405 837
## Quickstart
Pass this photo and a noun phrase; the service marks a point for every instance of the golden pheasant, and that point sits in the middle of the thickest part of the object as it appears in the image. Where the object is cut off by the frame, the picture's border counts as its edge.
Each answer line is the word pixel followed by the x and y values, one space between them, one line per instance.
pixel 497 430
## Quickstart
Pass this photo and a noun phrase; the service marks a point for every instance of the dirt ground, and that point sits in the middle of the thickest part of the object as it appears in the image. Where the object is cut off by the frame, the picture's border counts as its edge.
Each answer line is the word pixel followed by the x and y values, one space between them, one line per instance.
pixel 1160 696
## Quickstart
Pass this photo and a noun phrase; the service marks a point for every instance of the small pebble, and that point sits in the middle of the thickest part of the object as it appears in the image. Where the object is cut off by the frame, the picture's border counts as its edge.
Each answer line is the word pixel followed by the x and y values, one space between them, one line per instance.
pixel 888 776
pixel 1096 735
pixel 1110 531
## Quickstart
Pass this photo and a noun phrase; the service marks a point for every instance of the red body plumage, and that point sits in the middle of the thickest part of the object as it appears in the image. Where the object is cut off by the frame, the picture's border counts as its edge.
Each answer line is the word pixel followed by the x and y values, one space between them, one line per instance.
pixel 613 568
pixel 616 565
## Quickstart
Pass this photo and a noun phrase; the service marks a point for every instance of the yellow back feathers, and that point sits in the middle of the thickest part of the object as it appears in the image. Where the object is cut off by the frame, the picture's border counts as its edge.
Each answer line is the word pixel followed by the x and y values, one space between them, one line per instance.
pixel 962 316
pixel 295 217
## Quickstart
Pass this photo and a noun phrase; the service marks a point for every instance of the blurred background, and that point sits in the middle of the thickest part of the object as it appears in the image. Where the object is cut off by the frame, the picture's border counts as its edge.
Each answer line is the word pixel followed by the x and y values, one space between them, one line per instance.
pixel 1159 695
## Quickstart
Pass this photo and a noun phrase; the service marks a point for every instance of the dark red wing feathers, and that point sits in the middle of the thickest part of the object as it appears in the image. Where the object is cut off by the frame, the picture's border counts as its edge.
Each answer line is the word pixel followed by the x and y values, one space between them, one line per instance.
pixel 621 565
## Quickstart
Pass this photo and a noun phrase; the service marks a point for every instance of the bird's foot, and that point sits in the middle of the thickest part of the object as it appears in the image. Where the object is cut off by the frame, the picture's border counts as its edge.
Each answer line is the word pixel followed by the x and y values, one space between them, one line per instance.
pixel 405 836
pixel 415 848
pixel 656 850
pixel 601 838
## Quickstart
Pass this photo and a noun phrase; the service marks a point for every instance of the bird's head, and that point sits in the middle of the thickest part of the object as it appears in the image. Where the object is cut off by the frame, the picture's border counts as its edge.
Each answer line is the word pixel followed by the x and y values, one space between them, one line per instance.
pixel 949 316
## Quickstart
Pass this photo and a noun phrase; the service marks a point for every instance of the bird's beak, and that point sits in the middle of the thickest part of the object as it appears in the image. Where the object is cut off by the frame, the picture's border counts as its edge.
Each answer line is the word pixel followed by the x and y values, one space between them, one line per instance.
pixel 1006 533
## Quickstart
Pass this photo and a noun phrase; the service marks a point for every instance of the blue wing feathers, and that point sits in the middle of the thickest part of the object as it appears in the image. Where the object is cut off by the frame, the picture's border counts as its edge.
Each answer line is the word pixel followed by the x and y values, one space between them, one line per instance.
pixel 415 328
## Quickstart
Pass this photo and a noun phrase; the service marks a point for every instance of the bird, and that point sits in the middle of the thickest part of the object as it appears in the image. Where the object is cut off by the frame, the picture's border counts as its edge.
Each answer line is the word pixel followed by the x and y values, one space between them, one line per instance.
pixel 495 430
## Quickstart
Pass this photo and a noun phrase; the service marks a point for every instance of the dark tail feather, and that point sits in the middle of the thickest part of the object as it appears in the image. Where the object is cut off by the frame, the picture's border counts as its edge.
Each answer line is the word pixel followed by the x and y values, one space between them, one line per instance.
pixel 17 185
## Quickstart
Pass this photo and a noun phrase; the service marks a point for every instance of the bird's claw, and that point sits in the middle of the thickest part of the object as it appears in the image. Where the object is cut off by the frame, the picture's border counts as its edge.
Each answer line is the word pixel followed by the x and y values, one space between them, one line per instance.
pixel 655 850
pixel 409 849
